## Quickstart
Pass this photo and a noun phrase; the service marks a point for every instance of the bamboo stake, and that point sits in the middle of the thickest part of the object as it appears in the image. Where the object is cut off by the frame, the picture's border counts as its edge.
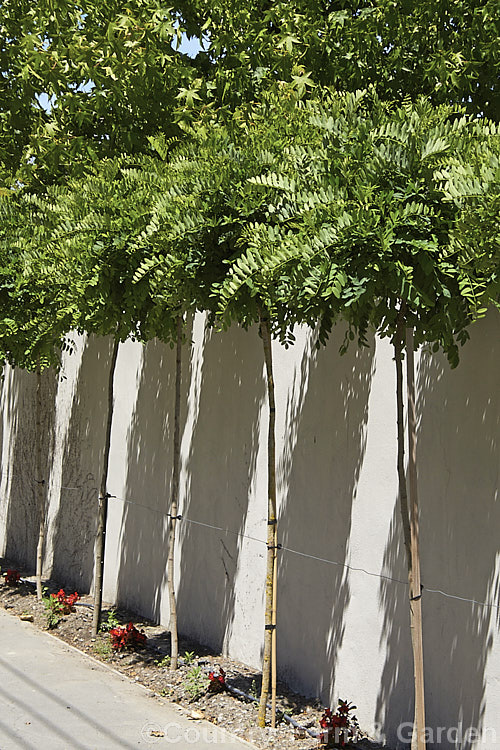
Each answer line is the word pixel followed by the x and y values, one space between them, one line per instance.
pixel 103 500
pixel 40 486
pixel 174 503
pixel 273 633
pixel 270 614
pixel 418 738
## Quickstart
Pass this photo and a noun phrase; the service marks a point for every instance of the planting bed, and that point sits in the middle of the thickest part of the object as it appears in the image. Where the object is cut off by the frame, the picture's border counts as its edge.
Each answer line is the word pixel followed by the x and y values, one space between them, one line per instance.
pixel 188 685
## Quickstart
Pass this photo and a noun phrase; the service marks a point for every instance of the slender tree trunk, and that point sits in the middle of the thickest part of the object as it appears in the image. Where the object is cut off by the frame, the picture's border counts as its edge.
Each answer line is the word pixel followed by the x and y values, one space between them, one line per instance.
pixel 403 496
pixel 270 615
pixel 41 487
pixel 409 517
pixel 418 737
pixel 103 499
pixel 174 503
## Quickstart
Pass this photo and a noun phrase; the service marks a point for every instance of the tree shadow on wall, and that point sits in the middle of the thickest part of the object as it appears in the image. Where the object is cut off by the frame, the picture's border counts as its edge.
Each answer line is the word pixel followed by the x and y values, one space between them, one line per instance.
pixel 144 530
pixel 75 524
pixel 458 461
pixel 220 471
pixel 395 703
pixel 19 404
pixel 327 413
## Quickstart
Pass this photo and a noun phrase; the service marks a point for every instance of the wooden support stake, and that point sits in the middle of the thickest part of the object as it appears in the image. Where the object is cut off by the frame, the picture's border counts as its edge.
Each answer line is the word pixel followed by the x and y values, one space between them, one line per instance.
pixel 418 737
pixel 273 633
pixel 272 533
pixel 174 503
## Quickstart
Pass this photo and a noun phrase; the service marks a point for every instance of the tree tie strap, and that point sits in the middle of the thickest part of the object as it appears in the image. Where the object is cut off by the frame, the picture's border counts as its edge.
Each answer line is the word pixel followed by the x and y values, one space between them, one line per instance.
pixel 419 596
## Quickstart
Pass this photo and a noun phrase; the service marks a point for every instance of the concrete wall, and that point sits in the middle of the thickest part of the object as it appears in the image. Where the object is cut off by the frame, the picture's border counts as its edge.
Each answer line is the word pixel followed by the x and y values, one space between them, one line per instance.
pixel 342 632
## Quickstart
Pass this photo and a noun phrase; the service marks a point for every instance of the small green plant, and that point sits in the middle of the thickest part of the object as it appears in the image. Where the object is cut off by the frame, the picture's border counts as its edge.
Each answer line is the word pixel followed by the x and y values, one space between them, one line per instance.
pixel 164 663
pixel 189 657
pixel 195 683
pixel 103 649
pixel 54 610
pixel 110 622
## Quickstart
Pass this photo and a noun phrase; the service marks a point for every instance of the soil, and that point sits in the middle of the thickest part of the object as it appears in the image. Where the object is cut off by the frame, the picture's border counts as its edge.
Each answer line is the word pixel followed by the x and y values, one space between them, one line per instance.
pixel 186 686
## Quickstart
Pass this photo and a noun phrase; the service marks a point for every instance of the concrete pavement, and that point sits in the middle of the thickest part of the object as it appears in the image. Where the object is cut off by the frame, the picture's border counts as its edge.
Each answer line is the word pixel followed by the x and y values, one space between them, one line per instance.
pixel 53 697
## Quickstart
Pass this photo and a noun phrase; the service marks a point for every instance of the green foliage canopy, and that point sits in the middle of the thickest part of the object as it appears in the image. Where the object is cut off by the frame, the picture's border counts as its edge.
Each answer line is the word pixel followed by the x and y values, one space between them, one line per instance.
pixel 360 221
pixel 448 51
pixel 110 72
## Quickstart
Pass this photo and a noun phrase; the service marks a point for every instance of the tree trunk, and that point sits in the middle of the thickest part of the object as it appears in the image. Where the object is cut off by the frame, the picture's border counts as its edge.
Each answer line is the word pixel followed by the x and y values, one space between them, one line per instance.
pixel 41 486
pixel 272 532
pixel 418 737
pixel 403 496
pixel 410 521
pixel 103 500
pixel 174 503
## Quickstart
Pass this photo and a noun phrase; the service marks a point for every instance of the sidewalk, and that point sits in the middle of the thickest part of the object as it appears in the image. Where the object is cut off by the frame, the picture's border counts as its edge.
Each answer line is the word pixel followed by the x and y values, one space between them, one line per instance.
pixel 53 697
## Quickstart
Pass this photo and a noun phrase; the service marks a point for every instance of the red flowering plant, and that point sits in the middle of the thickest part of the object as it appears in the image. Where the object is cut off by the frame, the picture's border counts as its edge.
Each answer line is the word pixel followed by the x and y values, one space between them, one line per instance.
pixel 66 601
pixel 339 727
pixel 57 605
pixel 127 637
pixel 217 683
pixel 12 577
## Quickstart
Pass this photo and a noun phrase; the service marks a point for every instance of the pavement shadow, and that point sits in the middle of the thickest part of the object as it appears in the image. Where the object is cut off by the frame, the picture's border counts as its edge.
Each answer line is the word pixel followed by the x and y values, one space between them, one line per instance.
pixel 31 685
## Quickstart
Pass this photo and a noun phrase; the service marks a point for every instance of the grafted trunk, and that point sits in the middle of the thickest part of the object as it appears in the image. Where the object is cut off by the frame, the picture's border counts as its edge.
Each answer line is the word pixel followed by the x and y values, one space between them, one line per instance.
pixel 103 499
pixel 174 503
pixel 269 658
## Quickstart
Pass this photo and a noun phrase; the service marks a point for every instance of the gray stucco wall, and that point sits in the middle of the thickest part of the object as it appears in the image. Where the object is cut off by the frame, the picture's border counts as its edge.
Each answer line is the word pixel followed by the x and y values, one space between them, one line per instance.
pixel 341 631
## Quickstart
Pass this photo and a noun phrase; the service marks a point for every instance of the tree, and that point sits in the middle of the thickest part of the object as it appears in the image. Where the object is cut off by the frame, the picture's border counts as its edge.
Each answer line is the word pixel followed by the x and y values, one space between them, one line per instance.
pixel 180 258
pixel 72 92
pixel 33 327
pixel 83 273
pixel 82 81
pixel 204 203
pixel 373 239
